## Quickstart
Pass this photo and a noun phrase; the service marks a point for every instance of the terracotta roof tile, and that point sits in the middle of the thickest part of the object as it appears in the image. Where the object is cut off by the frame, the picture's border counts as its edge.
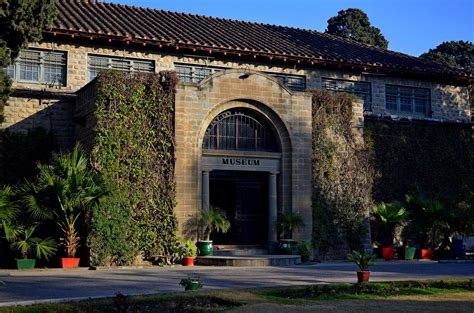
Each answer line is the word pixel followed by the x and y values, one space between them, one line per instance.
pixel 89 16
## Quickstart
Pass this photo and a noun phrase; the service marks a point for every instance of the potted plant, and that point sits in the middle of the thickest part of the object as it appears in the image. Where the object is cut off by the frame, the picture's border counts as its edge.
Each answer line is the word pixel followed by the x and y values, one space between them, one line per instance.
pixel 191 283
pixel 64 191
pixel 304 248
pixel 21 238
pixel 207 222
pixel 390 215
pixel 189 253
pixel 363 260
pixel 286 223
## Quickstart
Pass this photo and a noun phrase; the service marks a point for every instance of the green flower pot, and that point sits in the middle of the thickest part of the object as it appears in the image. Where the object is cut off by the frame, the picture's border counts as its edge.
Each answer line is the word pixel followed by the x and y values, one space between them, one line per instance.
pixel 204 247
pixel 25 264
pixel 193 286
pixel 286 246
pixel 410 253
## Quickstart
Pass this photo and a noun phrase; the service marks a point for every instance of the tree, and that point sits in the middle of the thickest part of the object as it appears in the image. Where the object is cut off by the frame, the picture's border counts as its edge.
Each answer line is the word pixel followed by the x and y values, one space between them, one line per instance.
pixel 459 54
pixel 21 21
pixel 354 24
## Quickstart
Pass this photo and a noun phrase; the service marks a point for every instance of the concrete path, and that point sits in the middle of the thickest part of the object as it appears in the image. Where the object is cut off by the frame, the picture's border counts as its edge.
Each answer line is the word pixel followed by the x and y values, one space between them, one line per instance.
pixel 59 285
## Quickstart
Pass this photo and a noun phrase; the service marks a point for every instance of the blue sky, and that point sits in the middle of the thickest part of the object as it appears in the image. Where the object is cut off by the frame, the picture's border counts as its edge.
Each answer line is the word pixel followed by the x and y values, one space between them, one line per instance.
pixel 410 26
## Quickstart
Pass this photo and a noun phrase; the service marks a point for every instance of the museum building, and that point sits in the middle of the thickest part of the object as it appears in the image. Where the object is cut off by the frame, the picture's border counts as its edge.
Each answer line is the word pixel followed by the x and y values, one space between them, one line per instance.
pixel 243 113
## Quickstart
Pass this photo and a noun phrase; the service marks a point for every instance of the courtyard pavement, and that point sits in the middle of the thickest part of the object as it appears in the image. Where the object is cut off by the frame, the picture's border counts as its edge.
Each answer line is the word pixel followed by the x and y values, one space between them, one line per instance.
pixel 57 285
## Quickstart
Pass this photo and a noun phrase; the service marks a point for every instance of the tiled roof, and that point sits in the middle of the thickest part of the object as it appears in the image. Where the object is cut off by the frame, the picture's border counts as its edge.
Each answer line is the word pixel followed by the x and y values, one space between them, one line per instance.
pixel 200 33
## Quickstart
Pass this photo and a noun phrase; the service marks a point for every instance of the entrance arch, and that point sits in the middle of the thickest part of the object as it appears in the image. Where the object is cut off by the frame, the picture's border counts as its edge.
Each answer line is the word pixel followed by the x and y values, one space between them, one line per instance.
pixel 243 154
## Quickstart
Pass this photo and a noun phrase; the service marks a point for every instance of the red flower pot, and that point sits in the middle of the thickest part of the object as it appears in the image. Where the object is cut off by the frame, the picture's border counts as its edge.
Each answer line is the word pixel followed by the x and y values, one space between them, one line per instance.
pixel 363 277
pixel 188 261
pixel 388 253
pixel 70 262
pixel 427 254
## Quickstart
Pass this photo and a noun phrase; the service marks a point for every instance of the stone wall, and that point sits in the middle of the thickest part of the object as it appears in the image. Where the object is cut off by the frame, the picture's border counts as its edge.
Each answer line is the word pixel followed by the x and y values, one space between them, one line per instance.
pixel 447 102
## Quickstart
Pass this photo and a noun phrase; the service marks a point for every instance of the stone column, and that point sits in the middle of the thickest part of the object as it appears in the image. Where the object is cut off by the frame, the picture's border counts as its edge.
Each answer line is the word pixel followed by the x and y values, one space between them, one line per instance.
pixel 205 190
pixel 272 209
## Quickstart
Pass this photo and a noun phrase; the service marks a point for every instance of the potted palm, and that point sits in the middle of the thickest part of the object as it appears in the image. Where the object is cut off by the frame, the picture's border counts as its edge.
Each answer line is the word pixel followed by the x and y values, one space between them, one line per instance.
pixel 390 215
pixel 363 260
pixel 286 223
pixel 21 238
pixel 207 222
pixel 64 191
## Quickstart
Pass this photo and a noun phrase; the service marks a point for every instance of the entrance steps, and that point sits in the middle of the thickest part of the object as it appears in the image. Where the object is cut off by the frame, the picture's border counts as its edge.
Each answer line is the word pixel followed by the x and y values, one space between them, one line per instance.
pixel 253 256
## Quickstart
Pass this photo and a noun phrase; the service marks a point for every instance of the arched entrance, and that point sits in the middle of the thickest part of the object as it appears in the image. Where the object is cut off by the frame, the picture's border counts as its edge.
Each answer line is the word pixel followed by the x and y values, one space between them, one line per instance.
pixel 241 161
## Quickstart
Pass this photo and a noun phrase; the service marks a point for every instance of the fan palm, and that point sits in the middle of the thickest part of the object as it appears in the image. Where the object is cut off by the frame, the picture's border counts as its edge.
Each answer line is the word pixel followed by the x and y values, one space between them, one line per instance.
pixel 22 239
pixel 212 220
pixel 390 215
pixel 8 207
pixel 289 221
pixel 64 191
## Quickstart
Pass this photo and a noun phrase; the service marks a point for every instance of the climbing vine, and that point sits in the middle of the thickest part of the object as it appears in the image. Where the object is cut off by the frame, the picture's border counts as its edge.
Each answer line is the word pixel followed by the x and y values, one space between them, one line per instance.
pixel 134 151
pixel 342 176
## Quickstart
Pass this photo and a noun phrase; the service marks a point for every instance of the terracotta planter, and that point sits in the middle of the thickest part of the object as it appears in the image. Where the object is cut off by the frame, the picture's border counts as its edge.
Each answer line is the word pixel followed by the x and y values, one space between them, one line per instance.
pixel 426 254
pixel 188 261
pixel 25 264
pixel 70 262
pixel 388 253
pixel 363 276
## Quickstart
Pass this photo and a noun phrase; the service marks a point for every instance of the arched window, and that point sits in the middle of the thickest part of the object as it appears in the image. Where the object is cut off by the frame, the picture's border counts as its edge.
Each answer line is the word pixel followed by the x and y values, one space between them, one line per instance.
pixel 240 129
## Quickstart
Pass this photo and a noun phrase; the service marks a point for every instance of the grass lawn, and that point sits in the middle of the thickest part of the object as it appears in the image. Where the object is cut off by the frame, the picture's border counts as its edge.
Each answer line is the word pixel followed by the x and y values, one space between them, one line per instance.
pixel 453 296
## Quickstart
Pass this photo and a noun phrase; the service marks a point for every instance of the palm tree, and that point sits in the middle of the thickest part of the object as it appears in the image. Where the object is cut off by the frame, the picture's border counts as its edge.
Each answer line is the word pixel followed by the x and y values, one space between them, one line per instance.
pixel 63 192
pixel 8 207
pixel 289 221
pixel 22 239
pixel 390 215
pixel 212 220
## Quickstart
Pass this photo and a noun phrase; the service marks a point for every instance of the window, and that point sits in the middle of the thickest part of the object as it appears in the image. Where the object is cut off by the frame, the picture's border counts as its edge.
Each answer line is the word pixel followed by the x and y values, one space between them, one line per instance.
pixel 361 90
pixel 196 73
pixel 408 100
pixel 39 66
pixel 99 63
pixel 297 83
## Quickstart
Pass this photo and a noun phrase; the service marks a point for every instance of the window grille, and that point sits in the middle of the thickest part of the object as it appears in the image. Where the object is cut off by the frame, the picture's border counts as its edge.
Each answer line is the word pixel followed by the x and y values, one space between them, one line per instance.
pixel 196 73
pixel 239 129
pixel 100 63
pixel 361 90
pixel 407 100
pixel 39 66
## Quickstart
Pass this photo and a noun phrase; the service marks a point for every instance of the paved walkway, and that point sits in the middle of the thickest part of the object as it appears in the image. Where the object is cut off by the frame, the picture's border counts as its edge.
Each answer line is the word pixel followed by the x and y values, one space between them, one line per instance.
pixel 56 285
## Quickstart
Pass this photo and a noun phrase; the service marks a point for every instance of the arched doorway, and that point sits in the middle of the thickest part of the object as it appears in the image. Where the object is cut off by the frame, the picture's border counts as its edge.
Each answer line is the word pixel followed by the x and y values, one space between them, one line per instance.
pixel 241 159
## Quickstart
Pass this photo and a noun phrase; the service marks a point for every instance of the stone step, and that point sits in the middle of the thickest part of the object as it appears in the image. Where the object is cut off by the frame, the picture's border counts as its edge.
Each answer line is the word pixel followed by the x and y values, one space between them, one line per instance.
pixel 239 250
pixel 251 261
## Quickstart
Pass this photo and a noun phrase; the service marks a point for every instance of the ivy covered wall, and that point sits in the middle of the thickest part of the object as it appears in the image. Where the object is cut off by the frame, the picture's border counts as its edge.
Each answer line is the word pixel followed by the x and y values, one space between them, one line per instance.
pixel 132 146
pixel 342 177
pixel 436 157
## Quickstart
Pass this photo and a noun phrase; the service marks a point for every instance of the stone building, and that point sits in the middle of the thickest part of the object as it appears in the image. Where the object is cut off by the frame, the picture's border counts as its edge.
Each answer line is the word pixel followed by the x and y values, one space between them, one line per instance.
pixel 243 116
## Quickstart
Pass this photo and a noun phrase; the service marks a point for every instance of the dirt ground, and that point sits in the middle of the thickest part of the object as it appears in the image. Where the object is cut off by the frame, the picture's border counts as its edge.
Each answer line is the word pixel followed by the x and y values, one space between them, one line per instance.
pixel 443 303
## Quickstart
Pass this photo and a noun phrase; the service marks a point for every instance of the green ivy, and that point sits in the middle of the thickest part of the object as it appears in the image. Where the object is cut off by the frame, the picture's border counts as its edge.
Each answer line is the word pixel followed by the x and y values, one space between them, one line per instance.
pixel 134 151
pixel 342 176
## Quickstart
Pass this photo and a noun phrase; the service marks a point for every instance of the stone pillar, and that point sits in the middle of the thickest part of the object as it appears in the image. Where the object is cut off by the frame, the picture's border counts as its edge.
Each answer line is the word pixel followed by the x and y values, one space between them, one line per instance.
pixel 272 209
pixel 205 190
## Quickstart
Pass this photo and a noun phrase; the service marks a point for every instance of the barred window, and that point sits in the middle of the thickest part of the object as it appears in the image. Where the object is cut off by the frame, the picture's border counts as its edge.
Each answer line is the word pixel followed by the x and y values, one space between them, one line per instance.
pixel 40 66
pixel 407 100
pixel 293 82
pixel 195 73
pixel 361 90
pixel 99 63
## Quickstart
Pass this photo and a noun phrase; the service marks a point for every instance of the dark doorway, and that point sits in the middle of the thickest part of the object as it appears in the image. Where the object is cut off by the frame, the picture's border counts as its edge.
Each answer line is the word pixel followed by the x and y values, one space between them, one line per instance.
pixel 244 197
